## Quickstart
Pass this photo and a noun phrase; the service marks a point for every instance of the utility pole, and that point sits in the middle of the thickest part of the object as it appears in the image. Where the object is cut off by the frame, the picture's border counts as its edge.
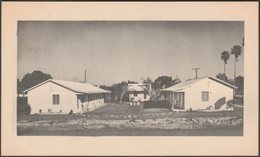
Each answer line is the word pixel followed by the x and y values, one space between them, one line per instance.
pixel 85 76
pixel 196 69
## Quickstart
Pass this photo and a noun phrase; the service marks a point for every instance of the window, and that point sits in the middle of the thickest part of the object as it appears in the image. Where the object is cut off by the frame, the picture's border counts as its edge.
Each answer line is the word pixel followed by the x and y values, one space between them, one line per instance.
pixel 85 98
pixel 135 94
pixel 90 97
pixel 205 96
pixel 144 95
pixel 56 99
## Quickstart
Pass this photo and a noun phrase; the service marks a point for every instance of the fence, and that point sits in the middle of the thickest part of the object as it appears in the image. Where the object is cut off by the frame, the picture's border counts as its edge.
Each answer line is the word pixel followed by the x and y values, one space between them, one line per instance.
pixel 157 104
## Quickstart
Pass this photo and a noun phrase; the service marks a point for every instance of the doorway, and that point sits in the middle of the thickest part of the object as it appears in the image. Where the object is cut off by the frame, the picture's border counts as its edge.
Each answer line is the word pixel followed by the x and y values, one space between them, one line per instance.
pixel 179 98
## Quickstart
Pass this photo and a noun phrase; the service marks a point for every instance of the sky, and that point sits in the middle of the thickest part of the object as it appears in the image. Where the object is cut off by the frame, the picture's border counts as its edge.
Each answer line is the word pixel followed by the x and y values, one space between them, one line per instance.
pixel 115 51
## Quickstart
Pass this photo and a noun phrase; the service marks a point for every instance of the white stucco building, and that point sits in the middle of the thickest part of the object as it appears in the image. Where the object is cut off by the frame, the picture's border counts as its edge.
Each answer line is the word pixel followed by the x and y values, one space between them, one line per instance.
pixel 137 93
pixel 58 96
pixel 199 93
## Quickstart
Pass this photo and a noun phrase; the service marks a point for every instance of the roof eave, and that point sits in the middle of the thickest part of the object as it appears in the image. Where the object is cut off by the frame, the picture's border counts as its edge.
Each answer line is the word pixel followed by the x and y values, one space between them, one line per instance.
pixel 35 86
pixel 225 83
pixel 53 81
pixel 175 90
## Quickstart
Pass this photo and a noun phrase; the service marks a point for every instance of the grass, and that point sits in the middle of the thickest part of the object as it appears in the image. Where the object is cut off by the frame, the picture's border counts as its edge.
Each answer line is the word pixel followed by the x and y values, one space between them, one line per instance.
pixel 124 109
pixel 37 117
pixel 118 111
pixel 124 120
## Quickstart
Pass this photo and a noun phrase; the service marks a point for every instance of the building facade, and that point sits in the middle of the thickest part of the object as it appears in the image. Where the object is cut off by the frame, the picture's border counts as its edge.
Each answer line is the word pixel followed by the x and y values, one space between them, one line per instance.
pixel 202 93
pixel 137 93
pixel 58 96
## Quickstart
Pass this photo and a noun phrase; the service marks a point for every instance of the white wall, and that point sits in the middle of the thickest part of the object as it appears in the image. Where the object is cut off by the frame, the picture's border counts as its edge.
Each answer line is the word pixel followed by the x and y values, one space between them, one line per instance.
pixel 216 91
pixel 140 96
pixel 91 105
pixel 41 98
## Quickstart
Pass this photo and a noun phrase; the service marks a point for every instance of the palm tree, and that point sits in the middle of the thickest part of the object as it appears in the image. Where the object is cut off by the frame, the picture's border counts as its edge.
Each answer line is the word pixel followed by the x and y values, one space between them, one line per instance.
pixel 124 90
pixel 236 51
pixel 225 57
pixel 148 82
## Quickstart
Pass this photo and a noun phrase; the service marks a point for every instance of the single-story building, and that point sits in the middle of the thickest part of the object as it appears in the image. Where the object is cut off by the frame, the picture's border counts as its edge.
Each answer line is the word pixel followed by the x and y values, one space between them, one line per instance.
pixel 59 96
pixel 138 92
pixel 201 93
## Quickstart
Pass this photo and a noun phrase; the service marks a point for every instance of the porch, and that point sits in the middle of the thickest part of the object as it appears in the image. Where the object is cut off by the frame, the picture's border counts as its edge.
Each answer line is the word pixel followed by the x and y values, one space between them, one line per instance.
pixel 92 101
pixel 177 99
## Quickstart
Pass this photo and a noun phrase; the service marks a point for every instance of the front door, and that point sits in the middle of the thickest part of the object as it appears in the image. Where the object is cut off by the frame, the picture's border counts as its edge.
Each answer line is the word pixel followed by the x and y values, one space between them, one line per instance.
pixel 179 100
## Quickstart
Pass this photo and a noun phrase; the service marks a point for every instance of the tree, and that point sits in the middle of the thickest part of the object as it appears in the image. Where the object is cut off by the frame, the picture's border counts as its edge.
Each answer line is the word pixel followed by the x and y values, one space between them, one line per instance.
pixel 131 82
pixel 163 82
pixel 225 57
pixel 160 83
pixel 240 82
pixel 230 81
pixel 118 89
pixel 126 90
pixel 222 77
pixel 31 79
pixel 148 82
pixel 236 51
pixel 18 86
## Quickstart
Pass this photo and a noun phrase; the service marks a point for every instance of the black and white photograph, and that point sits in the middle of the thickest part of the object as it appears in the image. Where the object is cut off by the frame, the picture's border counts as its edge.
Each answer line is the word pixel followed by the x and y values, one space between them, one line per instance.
pixel 130 78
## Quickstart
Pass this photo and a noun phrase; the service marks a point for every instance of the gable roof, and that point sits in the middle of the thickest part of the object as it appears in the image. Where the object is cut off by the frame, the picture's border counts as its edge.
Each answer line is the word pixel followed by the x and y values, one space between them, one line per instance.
pixel 187 84
pixel 136 87
pixel 76 87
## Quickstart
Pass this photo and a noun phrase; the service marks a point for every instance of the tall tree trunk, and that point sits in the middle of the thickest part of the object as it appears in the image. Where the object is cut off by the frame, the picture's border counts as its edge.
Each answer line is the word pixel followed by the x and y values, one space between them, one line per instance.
pixel 235 72
pixel 224 68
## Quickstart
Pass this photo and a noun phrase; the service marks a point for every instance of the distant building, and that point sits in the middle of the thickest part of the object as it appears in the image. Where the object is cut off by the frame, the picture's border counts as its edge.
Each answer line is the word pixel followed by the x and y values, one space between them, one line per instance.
pixel 137 93
pixel 58 96
pixel 199 93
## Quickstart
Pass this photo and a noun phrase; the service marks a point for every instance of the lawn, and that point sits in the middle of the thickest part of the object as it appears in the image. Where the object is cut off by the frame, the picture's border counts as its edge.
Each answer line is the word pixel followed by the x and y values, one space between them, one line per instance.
pixel 124 110
pixel 123 119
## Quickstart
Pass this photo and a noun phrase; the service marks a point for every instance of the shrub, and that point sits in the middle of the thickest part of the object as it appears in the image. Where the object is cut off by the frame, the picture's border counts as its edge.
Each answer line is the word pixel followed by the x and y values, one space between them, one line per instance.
pixel 71 112
pixel 209 108
pixel 157 104
pixel 230 103
pixel 178 107
pixel 28 109
pixel 23 108
pixel 49 110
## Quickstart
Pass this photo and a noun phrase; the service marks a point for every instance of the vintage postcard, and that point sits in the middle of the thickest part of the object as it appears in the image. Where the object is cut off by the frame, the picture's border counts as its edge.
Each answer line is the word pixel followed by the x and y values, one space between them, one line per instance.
pixel 103 78
pixel 131 78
